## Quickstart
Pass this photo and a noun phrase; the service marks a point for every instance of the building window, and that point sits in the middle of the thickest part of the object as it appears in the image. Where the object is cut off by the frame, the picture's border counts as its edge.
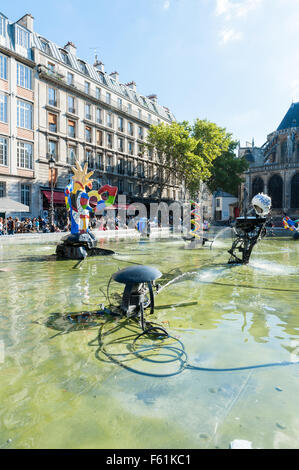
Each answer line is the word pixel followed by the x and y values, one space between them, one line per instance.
pixel 99 138
pixel 150 171
pixel 120 144
pixel 120 186
pixel 139 113
pixel 130 128
pixel 83 67
pixel 87 87
pixel 140 132
pixel 71 104
pixel 110 164
pixel 3 151
pixel 51 67
pixel 121 124
pixel 109 119
pixel 71 126
pixel 3 107
pixel 3 66
pixel 109 141
pixel 70 78
pixel 98 93
pixel 130 188
pixel 22 37
pixel 2 26
pixel 119 103
pixel 52 96
pixel 131 147
pixel 140 170
pixel 25 194
pixel 130 168
pixel 100 162
pixel 120 166
pixel 2 188
pixel 129 108
pixel 52 121
pixel 24 114
pixel 88 134
pixel 45 46
pixel 88 111
pixel 52 148
pixel 99 115
pixel 108 98
pixel 24 155
pixel 24 75
pixel 71 155
pixel 65 57
pixel 149 118
pixel 89 158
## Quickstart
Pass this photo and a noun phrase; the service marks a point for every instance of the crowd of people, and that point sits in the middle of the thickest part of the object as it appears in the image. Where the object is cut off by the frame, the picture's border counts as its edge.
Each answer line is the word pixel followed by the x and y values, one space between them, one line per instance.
pixel 13 225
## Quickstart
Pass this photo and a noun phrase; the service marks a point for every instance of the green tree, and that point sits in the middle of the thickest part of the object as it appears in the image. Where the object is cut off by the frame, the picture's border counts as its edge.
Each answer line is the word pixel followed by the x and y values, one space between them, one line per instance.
pixel 227 170
pixel 187 151
pixel 173 145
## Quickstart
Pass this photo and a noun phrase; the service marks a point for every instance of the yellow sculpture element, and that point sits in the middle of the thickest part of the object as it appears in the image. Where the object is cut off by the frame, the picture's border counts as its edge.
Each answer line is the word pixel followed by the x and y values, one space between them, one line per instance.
pixel 196 221
pixel 81 178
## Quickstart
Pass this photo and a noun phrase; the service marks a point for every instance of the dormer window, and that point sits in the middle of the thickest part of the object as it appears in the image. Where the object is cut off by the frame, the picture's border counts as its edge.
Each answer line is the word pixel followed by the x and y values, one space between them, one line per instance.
pixel 22 37
pixel 45 46
pixel 65 57
pixel 2 26
pixel 102 78
pixel 83 67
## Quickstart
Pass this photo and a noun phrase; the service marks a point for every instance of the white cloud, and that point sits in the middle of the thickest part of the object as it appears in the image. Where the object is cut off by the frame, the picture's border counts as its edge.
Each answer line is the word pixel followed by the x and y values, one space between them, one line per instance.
pixel 229 35
pixel 232 9
pixel 166 4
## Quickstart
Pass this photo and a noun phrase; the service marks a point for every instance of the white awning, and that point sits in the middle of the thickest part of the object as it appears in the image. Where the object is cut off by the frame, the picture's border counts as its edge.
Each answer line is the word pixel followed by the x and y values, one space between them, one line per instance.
pixel 9 205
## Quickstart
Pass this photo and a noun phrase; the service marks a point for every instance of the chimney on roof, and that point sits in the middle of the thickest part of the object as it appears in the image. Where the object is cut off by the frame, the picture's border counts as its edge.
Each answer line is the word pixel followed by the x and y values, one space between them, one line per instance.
pixel 70 47
pixel 153 98
pixel 115 75
pixel 27 21
pixel 99 65
pixel 132 85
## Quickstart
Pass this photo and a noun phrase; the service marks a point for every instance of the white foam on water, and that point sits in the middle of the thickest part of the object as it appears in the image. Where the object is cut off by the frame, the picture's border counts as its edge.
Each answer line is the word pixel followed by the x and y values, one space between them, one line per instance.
pixel 272 269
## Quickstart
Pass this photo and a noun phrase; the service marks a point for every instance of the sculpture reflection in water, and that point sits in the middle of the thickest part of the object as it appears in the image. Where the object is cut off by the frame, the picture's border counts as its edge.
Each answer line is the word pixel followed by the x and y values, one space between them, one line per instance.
pixel 81 205
pixel 249 230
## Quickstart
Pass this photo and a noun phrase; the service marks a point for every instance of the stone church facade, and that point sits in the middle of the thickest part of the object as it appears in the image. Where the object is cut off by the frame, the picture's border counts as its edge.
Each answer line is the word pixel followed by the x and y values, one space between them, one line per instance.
pixel 274 168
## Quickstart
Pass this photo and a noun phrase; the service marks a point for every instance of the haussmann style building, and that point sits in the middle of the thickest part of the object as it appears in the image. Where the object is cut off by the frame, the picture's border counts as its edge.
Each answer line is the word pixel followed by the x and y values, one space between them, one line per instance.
pixel 54 104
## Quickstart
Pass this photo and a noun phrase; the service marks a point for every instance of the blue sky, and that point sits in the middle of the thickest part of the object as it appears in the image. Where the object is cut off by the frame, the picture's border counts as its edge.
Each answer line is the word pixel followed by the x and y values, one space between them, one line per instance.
pixel 234 62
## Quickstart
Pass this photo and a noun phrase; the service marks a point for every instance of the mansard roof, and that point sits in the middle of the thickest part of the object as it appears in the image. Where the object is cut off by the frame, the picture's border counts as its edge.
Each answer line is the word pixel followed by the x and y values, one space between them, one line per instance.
pixel 291 118
pixel 101 77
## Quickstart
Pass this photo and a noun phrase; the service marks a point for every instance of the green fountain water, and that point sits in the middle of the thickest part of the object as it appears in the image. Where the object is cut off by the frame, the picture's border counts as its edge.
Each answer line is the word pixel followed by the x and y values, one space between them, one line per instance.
pixel 59 391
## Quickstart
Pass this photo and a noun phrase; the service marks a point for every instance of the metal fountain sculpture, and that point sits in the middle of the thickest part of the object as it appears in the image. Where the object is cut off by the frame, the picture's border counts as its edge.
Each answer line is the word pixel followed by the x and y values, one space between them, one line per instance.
pixel 81 204
pixel 248 230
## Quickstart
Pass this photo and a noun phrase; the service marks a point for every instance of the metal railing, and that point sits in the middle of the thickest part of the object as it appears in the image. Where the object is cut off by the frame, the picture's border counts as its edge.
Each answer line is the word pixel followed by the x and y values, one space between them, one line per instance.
pixel 113 103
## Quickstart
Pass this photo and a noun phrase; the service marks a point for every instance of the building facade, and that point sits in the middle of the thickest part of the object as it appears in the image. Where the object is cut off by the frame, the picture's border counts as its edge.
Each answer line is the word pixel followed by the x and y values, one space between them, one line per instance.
pixel 53 103
pixel 274 168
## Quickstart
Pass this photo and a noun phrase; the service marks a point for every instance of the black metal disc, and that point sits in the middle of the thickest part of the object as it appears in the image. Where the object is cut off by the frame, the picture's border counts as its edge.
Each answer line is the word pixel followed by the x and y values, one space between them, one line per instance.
pixel 136 274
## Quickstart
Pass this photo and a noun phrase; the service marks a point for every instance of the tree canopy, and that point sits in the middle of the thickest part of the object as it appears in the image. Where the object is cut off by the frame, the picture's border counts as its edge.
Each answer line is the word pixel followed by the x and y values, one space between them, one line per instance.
pixel 227 170
pixel 188 152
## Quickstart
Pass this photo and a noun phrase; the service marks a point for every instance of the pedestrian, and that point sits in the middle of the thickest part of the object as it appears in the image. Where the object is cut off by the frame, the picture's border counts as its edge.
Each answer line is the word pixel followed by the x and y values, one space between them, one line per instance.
pixel 10 226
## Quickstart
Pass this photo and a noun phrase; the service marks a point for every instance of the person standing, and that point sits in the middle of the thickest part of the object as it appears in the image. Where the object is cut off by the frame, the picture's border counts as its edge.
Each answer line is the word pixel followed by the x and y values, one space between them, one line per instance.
pixel 10 226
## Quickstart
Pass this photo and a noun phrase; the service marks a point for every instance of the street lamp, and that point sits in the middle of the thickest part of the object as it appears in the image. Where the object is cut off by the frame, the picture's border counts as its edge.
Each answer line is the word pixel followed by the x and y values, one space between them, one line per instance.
pixel 52 166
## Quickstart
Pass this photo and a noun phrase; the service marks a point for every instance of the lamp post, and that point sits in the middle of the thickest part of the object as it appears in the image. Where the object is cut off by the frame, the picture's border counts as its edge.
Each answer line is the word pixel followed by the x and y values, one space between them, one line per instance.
pixel 52 166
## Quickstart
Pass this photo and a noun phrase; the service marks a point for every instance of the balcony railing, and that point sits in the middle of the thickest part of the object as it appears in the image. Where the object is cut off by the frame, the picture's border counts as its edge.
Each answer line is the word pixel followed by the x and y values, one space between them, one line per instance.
pixel 113 103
